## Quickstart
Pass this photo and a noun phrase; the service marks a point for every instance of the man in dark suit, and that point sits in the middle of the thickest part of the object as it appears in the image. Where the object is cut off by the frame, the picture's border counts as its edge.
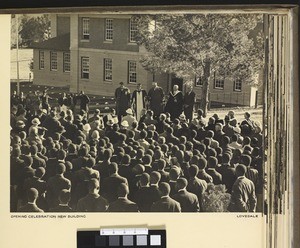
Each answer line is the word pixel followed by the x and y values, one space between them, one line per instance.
pixel 188 201
pixel 141 197
pixel 112 183
pixel 122 96
pixel 166 203
pixel 243 198
pixel 37 161
pixel 122 204
pixel 188 103
pixel 212 165
pixel 64 199
pixel 156 97
pixel 55 184
pixel 92 202
pixel 174 105
pixel 30 206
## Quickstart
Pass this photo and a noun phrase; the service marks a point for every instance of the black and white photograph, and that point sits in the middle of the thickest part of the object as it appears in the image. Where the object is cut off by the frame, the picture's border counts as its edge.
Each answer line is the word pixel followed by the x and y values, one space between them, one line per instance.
pixel 138 112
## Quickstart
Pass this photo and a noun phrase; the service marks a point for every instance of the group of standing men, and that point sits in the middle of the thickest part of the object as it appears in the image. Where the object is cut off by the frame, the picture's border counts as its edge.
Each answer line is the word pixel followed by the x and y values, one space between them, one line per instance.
pixel 177 102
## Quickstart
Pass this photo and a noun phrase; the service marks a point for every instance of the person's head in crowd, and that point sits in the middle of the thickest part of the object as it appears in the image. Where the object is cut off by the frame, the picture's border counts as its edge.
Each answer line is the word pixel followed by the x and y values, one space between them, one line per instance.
pixel 25 149
pixel 112 168
pixel 181 183
pixel 79 140
pixel 207 142
pixel 182 140
pixel 246 160
pixel 60 169
pixel 62 114
pixel 189 146
pixel 93 186
pixel 151 127
pixel 247 150
pixel 142 126
pixel 69 166
pixel 126 159
pixel 194 159
pixel 140 153
pixel 254 142
pixel 162 117
pixel 226 140
pixel 102 142
pixel 218 127
pixel 115 127
pixel 164 189
pixel 150 152
pixel 83 151
pixel 161 164
pixel 174 173
pixel 212 162
pixel 33 150
pixel 14 110
pixel 226 158
pixel 132 154
pixel 23 135
pixel 176 122
pixel 200 113
pixel 72 149
pixel 130 134
pixel 169 130
pixel 240 170
pixel 27 161
pixel 211 152
pixel 143 134
pixel 257 127
pixel 193 171
pixel 187 156
pixel 22 112
pixel 32 195
pixel 174 149
pixel 138 169
pixel 39 172
pixel 230 114
pixel 69 118
pixel 246 141
pixel 154 84
pixel 154 178
pixel 226 119
pixel 255 152
pixel 64 197
pixel 182 147
pixel 145 180
pixel 124 124
pixel 202 163
pixel 164 148
pixel 127 149
pixel 193 134
pixel 95 135
pixel 161 140
pixel 134 125
pixel 211 120
pixel 150 134
pixel 147 160
pixel 149 114
pixel 180 156
pixel 247 115
pixel 16 152
pixel 219 150
pixel 16 140
pixel 234 138
pixel 90 162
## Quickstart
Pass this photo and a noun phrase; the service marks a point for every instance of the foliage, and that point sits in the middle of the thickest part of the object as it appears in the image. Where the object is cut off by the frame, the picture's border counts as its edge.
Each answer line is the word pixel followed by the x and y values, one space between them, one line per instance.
pixel 32 28
pixel 190 45
pixel 215 199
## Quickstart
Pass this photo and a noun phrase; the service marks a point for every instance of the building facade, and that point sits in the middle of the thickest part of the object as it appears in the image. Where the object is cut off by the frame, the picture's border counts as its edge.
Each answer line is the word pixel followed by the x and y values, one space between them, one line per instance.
pixel 95 52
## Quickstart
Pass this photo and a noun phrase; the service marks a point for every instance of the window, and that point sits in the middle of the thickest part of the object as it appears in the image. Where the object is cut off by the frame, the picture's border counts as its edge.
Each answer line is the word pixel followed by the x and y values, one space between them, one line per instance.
pixel 237 85
pixel 199 81
pixel 109 29
pixel 53 61
pixel 67 62
pixel 42 60
pixel 85 28
pixel 85 67
pixel 132 30
pixel 107 69
pixel 219 84
pixel 131 71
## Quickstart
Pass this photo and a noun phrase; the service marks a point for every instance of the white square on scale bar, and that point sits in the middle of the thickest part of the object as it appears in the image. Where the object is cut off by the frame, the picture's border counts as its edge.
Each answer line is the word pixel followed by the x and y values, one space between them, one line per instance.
pixel 155 240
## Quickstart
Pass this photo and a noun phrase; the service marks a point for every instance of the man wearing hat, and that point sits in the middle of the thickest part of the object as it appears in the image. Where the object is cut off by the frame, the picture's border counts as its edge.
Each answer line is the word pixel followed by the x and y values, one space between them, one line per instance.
pixel 129 117
pixel 138 100
pixel 122 96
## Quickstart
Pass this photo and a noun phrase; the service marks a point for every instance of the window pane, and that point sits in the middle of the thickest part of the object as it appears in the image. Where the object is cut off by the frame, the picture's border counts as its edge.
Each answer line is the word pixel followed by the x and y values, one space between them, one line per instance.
pixel 108 29
pixel 86 28
pixel 53 61
pixel 132 75
pixel 42 60
pixel 85 67
pixel 133 30
pixel 237 85
pixel 67 62
pixel 107 69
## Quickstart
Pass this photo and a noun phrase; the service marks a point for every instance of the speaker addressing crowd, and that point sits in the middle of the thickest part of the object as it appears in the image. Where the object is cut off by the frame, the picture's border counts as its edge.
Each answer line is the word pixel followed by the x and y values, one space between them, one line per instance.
pixel 148 154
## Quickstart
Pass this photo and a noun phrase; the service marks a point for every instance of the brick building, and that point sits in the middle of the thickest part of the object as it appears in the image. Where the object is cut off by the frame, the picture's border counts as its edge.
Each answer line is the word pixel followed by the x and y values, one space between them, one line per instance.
pixel 94 52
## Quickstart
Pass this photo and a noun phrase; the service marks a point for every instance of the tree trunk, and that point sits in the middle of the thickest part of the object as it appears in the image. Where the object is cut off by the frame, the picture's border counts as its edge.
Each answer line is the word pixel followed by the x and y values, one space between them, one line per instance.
pixel 205 90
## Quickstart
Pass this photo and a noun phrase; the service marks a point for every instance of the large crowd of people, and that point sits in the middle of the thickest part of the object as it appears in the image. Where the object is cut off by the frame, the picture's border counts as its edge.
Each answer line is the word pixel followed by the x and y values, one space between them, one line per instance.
pixel 142 156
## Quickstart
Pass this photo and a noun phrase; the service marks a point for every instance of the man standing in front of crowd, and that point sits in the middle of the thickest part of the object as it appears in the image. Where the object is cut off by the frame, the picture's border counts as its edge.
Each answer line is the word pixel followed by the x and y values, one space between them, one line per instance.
pixel 138 101
pixel 122 96
pixel 188 103
pixel 175 103
pixel 156 96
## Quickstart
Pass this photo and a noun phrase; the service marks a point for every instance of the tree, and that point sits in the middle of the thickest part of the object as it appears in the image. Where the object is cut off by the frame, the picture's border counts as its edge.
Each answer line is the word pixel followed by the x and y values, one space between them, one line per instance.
pixel 34 29
pixel 190 45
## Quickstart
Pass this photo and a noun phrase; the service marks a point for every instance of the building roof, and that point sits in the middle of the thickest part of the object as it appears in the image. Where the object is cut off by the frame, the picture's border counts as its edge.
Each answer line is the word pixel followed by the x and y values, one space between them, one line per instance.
pixel 58 43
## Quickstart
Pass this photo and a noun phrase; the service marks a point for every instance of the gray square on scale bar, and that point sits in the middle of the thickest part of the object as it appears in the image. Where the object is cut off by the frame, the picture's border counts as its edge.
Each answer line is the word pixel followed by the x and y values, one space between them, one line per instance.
pixel 141 240
pixel 155 240
pixel 128 240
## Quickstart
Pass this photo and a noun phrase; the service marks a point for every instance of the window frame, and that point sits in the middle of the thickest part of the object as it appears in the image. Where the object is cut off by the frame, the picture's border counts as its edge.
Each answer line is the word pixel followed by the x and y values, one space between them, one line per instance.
pixel 235 85
pixel 132 38
pixel 197 79
pixel 107 69
pixel 41 60
pixel 66 62
pixel 131 73
pixel 87 72
pixel 216 80
pixel 53 61
pixel 109 31
pixel 85 28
